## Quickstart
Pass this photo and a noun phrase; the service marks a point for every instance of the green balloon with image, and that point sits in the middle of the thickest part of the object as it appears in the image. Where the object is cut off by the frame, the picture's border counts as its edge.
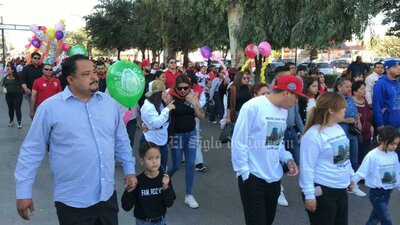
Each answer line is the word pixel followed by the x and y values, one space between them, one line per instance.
pixel 125 83
pixel 77 49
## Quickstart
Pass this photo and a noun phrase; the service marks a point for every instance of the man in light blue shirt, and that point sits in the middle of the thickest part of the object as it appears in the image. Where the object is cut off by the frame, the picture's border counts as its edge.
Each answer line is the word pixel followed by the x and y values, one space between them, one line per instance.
pixel 84 133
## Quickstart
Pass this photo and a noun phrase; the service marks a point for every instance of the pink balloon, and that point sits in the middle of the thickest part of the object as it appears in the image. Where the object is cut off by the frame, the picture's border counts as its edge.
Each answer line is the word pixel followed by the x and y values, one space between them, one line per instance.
pixel 264 48
pixel 251 50
pixel 34 28
pixel 65 47
pixel 59 26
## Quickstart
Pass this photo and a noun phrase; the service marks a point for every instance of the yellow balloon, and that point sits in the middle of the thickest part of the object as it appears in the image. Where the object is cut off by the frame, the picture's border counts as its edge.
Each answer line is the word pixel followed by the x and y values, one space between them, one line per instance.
pixel 51 33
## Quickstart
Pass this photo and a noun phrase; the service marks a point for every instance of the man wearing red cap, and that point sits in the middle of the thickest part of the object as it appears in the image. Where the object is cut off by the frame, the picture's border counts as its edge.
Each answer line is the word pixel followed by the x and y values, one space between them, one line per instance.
pixel 146 67
pixel 258 149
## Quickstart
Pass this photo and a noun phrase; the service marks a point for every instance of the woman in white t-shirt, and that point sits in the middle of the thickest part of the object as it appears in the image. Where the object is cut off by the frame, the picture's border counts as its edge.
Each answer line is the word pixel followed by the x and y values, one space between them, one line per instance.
pixel 325 168
pixel 155 115
pixel 310 89
pixel 380 169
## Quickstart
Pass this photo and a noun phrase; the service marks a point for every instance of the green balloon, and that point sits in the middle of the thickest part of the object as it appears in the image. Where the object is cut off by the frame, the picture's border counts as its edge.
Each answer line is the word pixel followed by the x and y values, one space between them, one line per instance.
pixel 125 83
pixel 77 49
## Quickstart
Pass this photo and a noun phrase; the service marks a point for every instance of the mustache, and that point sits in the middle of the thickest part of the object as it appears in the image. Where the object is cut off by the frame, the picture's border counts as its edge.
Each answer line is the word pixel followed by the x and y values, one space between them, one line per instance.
pixel 94 82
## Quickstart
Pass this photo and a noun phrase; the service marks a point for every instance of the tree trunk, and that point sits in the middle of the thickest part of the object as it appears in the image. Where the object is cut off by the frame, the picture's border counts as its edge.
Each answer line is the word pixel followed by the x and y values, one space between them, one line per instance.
pixel 119 54
pixel 257 72
pixel 186 51
pixel 143 51
pixel 235 14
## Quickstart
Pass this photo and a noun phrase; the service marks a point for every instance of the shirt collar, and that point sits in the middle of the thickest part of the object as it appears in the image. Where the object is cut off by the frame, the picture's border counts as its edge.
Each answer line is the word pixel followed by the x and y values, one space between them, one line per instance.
pixel 67 93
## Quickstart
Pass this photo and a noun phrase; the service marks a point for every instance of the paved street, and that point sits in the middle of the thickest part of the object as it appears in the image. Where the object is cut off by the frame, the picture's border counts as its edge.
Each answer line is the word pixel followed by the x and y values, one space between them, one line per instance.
pixel 216 190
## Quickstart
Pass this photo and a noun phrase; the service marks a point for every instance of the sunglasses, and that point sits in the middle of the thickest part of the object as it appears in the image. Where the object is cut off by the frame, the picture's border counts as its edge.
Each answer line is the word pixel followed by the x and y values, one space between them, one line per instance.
pixel 36 58
pixel 172 62
pixel 47 69
pixel 182 88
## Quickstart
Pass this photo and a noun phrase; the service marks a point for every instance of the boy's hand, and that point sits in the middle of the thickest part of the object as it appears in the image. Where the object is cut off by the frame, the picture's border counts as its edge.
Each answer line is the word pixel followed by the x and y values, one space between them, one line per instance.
pixel 165 181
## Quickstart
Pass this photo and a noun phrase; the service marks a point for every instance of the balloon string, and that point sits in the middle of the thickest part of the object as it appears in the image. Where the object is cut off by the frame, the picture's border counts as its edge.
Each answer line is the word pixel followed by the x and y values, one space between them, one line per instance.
pixel 264 67
pixel 246 64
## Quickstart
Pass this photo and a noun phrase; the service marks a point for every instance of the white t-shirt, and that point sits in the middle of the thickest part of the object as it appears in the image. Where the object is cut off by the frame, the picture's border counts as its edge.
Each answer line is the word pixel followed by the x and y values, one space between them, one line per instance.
pixel 157 123
pixel 202 79
pixel 324 159
pixel 379 169
pixel 310 104
pixel 257 141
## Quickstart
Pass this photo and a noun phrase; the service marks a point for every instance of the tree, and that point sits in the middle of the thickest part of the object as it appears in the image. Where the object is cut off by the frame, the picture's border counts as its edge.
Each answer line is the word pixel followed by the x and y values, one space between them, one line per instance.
pixel 109 26
pixel 391 9
pixel 386 47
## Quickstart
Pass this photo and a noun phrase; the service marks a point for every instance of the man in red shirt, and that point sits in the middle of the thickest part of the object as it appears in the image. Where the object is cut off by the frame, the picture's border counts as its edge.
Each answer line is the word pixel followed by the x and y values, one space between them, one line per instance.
pixel 44 87
pixel 171 73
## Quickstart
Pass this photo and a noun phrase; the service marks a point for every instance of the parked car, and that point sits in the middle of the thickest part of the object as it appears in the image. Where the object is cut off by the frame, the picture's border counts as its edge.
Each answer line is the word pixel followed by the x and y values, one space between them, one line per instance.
pixel 339 65
pixel 324 67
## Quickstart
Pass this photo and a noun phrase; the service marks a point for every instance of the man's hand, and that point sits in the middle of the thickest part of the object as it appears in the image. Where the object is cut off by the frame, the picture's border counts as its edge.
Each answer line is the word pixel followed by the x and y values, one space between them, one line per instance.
pixel 311 205
pixel 130 182
pixel 165 181
pixel 144 128
pixel 293 170
pixel 31 114
pixel 27 91
pixel 22 207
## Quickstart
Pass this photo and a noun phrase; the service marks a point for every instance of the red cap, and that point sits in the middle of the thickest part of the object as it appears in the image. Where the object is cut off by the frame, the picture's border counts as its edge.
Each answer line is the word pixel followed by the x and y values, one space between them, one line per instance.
pixel 289 83
pixel 145 62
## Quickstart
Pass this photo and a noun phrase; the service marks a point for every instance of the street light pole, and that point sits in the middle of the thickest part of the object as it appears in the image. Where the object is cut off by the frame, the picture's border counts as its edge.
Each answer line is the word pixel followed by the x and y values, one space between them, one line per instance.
pixel 3 59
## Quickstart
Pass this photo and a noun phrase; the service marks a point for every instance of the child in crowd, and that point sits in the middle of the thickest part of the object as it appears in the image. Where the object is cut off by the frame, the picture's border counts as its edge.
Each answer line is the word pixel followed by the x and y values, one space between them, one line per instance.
pixel 154 192
pixel 380 168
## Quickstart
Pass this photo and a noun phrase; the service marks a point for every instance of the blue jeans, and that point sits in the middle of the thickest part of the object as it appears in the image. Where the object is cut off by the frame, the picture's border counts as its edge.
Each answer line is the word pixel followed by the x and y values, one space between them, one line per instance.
pixel 164 154
pixel 353 151
pixel 291 141
pixel 219 105
pixel 184 143
pixel 142 222
pixel 379 199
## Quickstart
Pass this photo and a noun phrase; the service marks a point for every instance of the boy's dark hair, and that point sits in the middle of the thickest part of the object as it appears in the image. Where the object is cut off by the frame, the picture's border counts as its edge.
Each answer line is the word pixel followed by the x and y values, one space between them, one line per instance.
pixel 146 146
pixel 387 135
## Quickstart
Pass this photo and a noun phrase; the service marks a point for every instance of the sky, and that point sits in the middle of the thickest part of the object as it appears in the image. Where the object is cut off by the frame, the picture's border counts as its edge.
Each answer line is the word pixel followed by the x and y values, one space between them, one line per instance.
pixel 43 13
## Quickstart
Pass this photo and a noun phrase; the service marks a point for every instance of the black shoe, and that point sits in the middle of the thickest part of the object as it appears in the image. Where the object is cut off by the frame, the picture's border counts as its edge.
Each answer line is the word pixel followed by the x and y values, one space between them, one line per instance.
pixel 200 167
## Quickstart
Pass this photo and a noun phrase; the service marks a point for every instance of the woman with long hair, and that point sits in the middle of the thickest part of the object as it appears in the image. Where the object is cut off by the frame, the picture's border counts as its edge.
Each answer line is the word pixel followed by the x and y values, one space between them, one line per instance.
pixel 187 108
pixel 155 115
pixel 239 93
pixel 325 168
pixel 13 92
pixel 310 88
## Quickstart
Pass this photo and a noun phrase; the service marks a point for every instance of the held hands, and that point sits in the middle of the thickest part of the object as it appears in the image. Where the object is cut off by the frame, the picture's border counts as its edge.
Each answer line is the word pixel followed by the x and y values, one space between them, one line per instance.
pixel 171 105
pixel 130 182
pixel 293 170
pixel 27 91
pixel 311 204
pixel 144 128
pixel 165 181
pixel 22 207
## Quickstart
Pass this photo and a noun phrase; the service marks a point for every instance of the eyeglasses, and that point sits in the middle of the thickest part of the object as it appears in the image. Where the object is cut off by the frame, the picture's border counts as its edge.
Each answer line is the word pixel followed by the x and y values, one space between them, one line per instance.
pixel 172 62
pixel 182 88
pixel 47 69
pixel 36 58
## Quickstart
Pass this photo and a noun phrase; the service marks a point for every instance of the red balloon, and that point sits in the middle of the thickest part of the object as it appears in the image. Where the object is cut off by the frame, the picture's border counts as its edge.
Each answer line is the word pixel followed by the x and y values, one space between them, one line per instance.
pixel 251 50
pixel 65 47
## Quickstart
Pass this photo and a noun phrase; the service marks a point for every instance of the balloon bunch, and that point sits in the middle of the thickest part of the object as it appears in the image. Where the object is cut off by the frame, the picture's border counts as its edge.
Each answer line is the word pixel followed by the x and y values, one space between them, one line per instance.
pixel 48 41
pixel 264 48
pixel 206 52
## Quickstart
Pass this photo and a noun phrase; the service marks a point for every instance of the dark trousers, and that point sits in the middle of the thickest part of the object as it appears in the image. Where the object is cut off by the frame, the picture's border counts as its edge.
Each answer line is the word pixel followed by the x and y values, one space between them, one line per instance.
pixel 102 213
pixel 259 200
pixel 332 207
pixel 364 147
pixel 14 103
pixel 131 129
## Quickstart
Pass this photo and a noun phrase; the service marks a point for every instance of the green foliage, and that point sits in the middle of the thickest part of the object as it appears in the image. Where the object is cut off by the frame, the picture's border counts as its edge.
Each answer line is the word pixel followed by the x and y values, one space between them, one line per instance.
pixel 385 47
pixel 391 9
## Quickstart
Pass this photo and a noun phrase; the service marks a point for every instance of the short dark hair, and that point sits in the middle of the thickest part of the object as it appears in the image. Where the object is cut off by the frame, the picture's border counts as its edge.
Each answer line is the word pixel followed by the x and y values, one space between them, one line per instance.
pixel 34 54
pixel 341 81
pixel 288 64
pixel 257 87
pixel 100 63
pixel 377 63
pixel 146 146
pixel 356 85
pixel 301 68
pixel 69 65
pixel 387 135
pixel 192 75
pixel 170 58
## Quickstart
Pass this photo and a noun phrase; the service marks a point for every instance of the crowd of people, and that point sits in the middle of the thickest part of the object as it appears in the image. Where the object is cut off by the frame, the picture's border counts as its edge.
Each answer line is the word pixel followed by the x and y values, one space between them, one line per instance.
pixel 295 125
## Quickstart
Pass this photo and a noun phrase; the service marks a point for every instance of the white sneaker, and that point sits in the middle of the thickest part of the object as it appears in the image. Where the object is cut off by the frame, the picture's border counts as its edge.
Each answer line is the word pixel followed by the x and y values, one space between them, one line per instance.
pixel 282 200
pixel 358 192
pixel 189 200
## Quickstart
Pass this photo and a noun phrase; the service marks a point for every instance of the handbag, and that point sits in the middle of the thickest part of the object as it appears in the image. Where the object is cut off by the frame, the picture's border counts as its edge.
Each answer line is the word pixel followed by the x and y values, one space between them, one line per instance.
pixel 4 90
pixel 225 134
pixel 354 130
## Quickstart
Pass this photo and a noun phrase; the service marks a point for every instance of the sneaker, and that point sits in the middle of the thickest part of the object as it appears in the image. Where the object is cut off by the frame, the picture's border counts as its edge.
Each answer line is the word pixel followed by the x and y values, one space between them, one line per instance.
pixel 189 200
pixel 10 124
pixel 214 122
pixel 19 126
pixel 200 167
pixel 282 200
pixel 356 190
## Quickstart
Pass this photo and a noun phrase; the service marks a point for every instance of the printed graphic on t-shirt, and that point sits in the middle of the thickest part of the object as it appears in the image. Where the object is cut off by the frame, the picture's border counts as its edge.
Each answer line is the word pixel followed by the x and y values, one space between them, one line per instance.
pixel 388 174
pixel 151 191
pixel 341 151
pixel 275 131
